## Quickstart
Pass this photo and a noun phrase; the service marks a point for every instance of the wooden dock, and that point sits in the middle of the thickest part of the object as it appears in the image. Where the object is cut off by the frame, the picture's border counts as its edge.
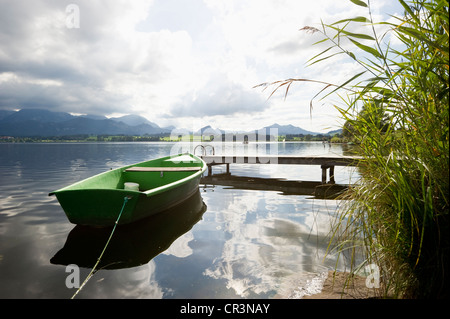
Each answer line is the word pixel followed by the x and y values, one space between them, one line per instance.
pixel 326 162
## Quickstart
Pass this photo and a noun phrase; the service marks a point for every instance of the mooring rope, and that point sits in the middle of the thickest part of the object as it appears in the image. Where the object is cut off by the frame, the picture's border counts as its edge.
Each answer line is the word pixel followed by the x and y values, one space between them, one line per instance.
pixel 125 200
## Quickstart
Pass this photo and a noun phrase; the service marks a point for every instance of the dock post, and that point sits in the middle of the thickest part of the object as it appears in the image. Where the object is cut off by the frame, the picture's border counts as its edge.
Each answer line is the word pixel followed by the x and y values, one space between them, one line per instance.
pixel 209 170
pixel 332 175
pixel 324 173
pixel 228 168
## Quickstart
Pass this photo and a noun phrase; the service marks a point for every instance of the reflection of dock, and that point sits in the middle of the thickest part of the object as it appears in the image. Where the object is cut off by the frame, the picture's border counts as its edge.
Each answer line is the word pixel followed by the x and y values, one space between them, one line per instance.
pixel 286 187
pixel 325 162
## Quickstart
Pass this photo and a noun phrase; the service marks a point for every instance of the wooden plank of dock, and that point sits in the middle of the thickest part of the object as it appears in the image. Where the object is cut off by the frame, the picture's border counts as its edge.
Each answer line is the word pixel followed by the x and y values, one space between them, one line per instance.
pixel 282 159
pixel 325 161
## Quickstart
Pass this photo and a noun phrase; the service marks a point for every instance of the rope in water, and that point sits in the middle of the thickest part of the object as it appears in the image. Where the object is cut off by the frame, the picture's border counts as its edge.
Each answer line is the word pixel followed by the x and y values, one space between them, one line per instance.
pixel 93 271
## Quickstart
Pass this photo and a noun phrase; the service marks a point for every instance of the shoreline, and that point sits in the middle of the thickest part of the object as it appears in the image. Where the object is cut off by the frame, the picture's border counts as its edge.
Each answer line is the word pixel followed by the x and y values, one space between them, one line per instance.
pixel 343 285
pixel 332 285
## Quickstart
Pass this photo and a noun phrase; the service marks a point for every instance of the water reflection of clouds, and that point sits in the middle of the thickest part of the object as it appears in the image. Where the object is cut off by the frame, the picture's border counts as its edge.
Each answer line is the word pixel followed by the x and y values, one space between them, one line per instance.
pixel 265 254
pixel 140 282
pixel 137 282
pixel 180 247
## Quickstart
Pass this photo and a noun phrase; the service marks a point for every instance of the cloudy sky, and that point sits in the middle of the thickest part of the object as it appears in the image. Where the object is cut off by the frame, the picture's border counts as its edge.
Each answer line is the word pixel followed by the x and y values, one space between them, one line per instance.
pixel 187 63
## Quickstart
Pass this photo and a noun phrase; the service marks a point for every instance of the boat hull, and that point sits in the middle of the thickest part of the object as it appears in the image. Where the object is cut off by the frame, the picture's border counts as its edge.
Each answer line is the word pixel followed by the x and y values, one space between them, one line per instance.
pixel 99 200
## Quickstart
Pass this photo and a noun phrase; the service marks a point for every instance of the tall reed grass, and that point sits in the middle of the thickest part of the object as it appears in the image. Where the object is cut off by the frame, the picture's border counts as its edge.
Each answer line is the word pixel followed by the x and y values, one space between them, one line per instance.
pixel 397 111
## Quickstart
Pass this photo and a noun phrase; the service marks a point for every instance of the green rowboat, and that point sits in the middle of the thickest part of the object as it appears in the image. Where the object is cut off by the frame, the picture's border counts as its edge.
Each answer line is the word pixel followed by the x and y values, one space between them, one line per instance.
pixel 138 191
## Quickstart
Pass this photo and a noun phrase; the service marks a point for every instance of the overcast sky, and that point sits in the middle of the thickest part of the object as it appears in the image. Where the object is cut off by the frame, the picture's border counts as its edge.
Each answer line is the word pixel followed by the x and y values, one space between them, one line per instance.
pixel 186 63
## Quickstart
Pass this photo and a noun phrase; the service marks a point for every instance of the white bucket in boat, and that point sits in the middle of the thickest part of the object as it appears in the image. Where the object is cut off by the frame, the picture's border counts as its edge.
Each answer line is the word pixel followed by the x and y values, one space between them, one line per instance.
pixel 132 186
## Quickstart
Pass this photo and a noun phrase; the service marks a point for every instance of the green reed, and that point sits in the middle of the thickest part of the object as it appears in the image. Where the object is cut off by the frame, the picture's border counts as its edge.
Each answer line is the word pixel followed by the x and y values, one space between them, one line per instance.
pixel 396 109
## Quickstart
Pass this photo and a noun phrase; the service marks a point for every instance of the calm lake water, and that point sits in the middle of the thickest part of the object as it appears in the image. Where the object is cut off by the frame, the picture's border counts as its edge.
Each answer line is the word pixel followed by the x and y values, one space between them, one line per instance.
pixel 226 242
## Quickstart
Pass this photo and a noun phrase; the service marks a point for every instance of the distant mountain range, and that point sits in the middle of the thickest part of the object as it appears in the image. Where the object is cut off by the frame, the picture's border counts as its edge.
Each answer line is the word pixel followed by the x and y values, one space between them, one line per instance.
pixel 44 123
pixel 36 122
pixel 288 129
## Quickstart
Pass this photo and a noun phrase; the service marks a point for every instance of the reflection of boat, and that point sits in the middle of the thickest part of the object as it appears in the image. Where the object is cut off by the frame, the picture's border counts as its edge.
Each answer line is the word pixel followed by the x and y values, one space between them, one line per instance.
pixel 286 187
pixel 150 187
pixel 132 244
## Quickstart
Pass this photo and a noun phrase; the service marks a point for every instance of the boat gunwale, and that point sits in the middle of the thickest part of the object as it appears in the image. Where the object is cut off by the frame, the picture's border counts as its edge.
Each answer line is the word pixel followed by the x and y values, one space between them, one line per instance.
pixel 147 193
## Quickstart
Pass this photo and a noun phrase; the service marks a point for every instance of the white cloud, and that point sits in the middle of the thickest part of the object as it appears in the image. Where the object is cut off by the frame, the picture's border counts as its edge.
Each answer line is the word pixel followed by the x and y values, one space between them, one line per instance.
pixel 171 61
pixel 103 65
pixel 220 96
